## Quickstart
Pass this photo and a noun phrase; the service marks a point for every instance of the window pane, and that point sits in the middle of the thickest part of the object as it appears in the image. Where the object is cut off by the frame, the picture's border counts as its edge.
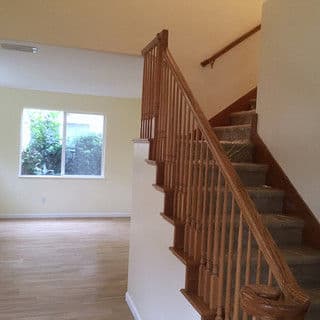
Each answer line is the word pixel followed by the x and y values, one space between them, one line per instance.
pixel 41 142
pixel 84 144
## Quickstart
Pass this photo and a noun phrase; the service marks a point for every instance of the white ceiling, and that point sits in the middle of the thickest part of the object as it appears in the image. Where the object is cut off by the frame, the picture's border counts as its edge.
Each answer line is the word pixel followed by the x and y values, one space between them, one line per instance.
pixel 71 70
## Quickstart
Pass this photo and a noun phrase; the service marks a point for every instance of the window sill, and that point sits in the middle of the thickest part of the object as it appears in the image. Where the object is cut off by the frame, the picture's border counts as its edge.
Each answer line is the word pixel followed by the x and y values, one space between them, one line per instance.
pixel 62 177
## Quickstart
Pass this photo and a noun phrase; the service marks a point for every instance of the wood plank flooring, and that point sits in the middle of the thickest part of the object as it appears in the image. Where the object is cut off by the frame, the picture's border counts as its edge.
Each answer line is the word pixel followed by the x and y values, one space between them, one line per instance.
pixel 64 269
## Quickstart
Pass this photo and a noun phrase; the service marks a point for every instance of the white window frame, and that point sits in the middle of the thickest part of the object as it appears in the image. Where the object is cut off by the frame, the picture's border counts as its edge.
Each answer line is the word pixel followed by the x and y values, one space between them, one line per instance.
pixel 63 175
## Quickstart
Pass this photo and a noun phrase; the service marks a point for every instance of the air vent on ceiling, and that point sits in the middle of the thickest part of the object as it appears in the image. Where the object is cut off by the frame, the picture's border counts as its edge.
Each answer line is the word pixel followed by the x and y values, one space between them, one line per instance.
pixel 19 47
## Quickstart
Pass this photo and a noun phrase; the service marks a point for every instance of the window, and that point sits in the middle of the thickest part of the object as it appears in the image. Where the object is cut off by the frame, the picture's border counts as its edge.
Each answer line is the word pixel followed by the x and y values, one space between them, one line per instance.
pixel 57 143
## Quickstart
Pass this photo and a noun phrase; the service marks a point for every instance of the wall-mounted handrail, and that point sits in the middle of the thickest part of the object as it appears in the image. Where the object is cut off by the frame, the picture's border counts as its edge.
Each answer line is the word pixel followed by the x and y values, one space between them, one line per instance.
pixel 230 46
pixel 223 233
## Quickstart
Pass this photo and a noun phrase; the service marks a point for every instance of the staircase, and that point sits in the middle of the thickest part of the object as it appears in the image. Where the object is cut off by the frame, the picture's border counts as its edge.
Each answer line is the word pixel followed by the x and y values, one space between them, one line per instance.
pixel 285 230
pixel 244 258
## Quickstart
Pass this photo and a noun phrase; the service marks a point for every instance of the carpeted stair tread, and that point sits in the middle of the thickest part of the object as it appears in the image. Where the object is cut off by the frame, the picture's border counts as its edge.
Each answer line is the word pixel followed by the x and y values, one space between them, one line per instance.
pixel 250 166
pixel 243 117
pixel 301 255
pixel 281 221
pixel 265 191
pixel 246 112
pixel 251 174
pixel 236 132
pixel 238 150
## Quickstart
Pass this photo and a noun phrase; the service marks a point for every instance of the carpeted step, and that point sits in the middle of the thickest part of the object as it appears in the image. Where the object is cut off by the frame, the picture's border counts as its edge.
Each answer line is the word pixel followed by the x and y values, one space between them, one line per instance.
pixel 243 117
pixel 267 199
pixel 285 230
pixel 231 133
pixel 304 263
pixel 251 174
pixel 239 150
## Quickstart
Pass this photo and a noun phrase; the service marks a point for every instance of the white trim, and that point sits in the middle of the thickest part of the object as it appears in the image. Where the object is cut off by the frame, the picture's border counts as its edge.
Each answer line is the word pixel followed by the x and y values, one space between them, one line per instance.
pixel 65 215
pixel 78 177
pixel 132 307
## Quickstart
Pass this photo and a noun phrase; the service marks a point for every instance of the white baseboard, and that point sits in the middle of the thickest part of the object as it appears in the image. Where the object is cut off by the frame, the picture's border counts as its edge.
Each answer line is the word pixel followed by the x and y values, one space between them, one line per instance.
pixel 65 215
pixel 132 307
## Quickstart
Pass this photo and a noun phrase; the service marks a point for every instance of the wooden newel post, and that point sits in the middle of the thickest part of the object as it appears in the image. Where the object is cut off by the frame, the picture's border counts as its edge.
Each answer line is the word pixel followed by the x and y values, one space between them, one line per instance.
pixel 161 47
pixel 265 303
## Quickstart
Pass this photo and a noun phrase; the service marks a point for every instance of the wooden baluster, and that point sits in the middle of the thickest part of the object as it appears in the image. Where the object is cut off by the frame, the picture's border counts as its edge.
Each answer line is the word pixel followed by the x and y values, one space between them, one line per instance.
pixel 148 93
pixel 186 162
pixel 143 100
pixel 204 232
pixel 164 113
pixel 169 128
pixel 165 124
pixel 154 110
pixel 270 276
pixel 189 187
pixel 151 105
pixel 159 82
pixel 194 199
pixel 258 268
pixel 154 90
pixel 213 294
pixel 209 253
pixel 160 112
pixel 173 132
pixel 150 102
pixel 173 144
pixel 222 254
pixel 230 262
pixel 248 266
pixel 181 154
pixel 177 146
pixel 199 195
pixel 236 303
pixel 168 134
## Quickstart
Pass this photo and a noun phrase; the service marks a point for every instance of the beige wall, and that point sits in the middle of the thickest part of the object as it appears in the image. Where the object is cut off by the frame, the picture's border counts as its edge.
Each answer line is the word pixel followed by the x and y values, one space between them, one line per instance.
pixel 289 95
pixel 155 274
pixel 197 30
pixel 64 195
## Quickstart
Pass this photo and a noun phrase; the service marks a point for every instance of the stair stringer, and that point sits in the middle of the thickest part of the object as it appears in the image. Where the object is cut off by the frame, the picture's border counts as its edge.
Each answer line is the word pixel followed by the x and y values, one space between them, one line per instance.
pixel 155 274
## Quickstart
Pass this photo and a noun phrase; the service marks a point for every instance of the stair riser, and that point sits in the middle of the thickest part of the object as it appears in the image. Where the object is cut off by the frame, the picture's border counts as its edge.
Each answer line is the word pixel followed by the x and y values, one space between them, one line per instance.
pixel 240 119
pixel 238 153
pixel 283 237
pixel 307 275
pixel 267 203
pixel 264 203
pixel 249 178
pixel 252 178
pixel 231 134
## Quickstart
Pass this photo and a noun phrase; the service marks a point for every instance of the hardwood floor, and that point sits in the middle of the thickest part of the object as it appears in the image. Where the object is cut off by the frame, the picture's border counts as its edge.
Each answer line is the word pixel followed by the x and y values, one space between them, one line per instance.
pixel 64 269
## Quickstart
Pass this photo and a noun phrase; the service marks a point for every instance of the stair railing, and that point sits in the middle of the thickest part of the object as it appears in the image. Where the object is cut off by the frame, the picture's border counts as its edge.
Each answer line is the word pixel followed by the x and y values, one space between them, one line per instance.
pixel 230 46
pixel 240 272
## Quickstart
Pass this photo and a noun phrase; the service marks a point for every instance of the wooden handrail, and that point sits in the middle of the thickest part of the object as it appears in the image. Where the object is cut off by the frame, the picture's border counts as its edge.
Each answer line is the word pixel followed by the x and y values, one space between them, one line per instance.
pixel 227 48
pixel 181 138
pixel 281 270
